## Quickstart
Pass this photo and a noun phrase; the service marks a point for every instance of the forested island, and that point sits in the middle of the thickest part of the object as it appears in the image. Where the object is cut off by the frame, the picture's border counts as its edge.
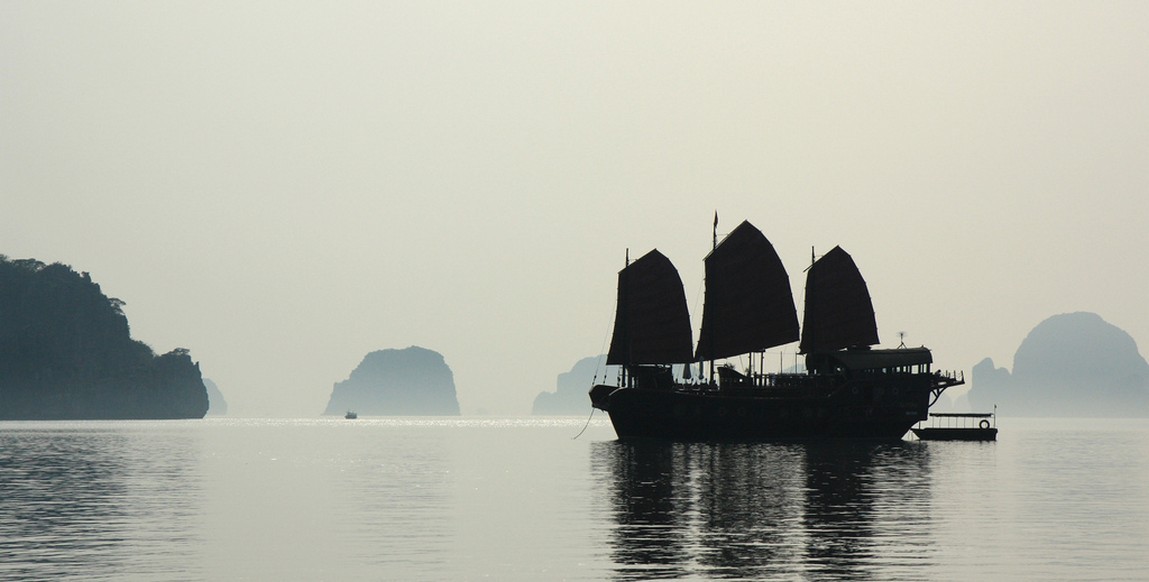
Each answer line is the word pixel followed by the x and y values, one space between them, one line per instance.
pixel 410 381
pixel 66 352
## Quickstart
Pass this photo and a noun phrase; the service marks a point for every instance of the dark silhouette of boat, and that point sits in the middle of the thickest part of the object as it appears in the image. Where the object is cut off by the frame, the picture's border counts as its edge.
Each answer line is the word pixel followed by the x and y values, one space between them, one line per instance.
pixel 350 415
pixel 959 426
pixel 848 389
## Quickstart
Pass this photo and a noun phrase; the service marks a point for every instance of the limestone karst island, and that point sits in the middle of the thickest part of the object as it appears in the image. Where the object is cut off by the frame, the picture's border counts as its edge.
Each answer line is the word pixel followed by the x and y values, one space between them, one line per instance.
pixel 570 395
pixel 411 381
pixel 66 353
pixel 1070 365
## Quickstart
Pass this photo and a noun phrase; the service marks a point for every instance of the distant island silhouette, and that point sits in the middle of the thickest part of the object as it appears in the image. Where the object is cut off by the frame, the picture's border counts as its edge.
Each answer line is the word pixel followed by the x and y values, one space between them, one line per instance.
pixel 1070 365
pixel 66 353
pixel 409 381
pixel 217 405
pixel 570 396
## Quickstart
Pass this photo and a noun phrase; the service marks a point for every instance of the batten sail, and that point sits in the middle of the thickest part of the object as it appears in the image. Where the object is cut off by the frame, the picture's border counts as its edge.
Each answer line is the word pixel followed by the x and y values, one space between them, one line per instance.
pixel 651 324
pixel 749 306
pixel 839 313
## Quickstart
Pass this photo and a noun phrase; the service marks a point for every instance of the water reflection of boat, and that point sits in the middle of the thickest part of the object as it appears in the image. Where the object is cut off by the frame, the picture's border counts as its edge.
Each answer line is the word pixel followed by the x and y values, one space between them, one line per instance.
pixel 757 511
pixel 958 426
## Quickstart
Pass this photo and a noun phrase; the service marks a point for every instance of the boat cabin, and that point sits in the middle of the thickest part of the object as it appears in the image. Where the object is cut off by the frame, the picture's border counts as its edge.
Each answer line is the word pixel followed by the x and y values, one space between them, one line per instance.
pixel 900 360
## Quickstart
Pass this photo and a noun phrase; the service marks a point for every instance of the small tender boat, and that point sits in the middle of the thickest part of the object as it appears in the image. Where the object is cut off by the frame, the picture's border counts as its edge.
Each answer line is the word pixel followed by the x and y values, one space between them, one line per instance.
pixel 350 415
pixel 958 426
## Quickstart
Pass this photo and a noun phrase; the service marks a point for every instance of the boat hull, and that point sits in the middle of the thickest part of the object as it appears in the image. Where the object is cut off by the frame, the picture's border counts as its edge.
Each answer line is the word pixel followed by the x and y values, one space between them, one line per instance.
pixel 956 434
pixel 846 412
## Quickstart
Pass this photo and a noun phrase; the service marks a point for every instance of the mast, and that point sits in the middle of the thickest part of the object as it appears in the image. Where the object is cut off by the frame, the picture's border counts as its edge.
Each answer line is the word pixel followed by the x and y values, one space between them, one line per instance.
pixel 625 369
pixel 714 245
pixel 710 338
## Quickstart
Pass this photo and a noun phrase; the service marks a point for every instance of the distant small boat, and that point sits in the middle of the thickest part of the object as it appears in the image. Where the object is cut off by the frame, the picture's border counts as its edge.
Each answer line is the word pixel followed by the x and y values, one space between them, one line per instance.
pixel 959 426
pixel 350 415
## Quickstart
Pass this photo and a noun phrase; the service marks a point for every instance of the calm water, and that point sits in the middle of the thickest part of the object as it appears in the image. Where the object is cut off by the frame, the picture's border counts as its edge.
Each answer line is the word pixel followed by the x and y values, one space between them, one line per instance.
pixel 520 500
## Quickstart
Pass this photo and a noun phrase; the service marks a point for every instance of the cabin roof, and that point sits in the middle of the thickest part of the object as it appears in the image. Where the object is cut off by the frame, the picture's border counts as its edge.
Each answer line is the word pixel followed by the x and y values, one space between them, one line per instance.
pixel 877 359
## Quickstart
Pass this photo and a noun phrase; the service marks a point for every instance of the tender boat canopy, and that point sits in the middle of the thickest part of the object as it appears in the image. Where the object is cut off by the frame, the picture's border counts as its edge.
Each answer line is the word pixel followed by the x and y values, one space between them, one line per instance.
pixel 839 313
pixel 749 306
pixel 651 324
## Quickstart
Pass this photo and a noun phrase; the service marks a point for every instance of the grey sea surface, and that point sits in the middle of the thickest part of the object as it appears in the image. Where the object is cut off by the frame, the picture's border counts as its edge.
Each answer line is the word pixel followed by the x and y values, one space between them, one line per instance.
pixel 520 499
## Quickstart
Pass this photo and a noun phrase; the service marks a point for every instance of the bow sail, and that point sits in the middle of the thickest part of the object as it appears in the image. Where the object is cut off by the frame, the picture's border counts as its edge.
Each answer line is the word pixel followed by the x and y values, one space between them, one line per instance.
pixel 651 325
pixel 749 306
pixel 839 313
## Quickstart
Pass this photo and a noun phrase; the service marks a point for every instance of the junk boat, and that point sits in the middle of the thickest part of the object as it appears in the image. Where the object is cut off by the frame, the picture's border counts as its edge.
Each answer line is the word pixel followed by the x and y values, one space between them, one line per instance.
pixel 848 390
pixel 959 426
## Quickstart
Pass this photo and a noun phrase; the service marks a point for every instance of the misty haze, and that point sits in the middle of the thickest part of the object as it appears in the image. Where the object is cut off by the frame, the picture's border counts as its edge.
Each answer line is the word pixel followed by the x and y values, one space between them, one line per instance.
pixel 311 291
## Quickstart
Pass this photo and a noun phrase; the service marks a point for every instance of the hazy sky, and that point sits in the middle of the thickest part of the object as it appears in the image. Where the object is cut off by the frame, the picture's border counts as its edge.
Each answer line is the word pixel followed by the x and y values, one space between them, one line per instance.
pixel 282 187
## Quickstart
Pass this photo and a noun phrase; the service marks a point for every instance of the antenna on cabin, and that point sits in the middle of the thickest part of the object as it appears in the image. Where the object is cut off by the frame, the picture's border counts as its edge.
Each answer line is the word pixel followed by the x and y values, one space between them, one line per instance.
pixel 902 339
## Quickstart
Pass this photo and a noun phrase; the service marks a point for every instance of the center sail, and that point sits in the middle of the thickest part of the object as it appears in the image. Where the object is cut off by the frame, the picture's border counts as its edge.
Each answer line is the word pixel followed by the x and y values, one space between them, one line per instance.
pixel 839 313
pixel 651 325
pixel 749 306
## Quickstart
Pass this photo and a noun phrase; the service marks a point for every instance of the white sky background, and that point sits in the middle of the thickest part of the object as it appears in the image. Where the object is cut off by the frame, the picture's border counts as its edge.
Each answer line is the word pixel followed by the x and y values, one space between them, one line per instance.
pixel 283 187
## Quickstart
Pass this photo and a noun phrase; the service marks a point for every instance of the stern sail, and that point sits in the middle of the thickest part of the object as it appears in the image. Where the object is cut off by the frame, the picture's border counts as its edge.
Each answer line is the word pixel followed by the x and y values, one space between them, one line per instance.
pixel 839 313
